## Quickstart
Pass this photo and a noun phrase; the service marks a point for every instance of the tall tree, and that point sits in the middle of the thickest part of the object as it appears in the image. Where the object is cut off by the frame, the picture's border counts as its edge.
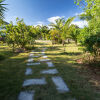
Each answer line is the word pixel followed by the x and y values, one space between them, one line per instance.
pixel 74 32
pixel 44 32
pixel 92 14
pixel 65 29
pixel 2 10
pixel 58 24
pixel 11 35
pixel 57 29
pixel 19 34
pixel 54 36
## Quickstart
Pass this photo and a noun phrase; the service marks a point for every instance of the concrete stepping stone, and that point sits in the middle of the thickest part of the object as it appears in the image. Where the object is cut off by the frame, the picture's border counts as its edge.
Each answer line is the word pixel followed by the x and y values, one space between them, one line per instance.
pixel 45 57
pixel 28 71
pixel 31 64
pixel 29 82
pixel 50 71
pixel 26 95
pixel 43 52
pixel 60 84
pixel 50 64
pixel 34 56
pixel 30 60
pixel 31 55
pixel 33 51
pixel 44 60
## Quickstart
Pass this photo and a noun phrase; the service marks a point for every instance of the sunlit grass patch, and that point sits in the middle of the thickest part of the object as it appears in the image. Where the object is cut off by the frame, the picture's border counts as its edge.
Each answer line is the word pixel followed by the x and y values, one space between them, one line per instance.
pixel 12 73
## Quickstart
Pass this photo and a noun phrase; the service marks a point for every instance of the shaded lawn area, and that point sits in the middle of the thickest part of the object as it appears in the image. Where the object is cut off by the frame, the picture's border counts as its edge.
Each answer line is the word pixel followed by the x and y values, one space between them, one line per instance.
pixel 78 80
pixel 12 70
pixel 12 75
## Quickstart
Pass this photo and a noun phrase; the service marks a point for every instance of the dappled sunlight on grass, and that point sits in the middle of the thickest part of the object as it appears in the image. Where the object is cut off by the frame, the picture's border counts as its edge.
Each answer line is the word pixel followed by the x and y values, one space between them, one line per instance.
pixel 19 56
pixel 70 70
pixel 12 73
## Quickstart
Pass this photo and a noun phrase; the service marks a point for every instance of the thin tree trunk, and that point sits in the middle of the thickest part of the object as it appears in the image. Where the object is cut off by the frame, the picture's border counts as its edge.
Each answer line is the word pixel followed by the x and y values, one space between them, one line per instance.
pixel 76 42
pixel 13 47
pixel 63 43
pixel 68 41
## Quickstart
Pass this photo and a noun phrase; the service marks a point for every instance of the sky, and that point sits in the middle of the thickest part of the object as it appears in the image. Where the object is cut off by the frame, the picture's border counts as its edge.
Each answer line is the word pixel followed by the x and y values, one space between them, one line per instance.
pixel 38 12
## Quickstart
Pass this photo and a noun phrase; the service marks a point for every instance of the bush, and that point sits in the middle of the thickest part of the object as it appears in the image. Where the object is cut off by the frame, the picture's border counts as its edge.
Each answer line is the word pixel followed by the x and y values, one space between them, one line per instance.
pixel 29 47
pixel 2 57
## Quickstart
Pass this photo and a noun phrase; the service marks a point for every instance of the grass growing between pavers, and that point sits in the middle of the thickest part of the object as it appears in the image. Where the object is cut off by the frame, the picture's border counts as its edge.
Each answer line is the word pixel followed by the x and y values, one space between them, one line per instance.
pixel 70 71
pixel 12 74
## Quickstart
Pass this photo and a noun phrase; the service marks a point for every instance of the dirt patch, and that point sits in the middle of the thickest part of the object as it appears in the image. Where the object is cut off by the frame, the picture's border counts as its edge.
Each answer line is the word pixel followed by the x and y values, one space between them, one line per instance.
pixel 92 74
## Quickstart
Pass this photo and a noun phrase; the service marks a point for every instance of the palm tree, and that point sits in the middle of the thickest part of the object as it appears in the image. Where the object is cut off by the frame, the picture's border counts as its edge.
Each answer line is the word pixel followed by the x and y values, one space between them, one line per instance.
pixel 74 32
pixel 65 29
pixel 2 9
pixel 57 26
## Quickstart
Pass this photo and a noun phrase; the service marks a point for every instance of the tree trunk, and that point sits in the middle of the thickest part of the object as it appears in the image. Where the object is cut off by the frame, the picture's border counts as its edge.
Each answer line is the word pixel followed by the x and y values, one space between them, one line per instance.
pixel 76 42
pixel 63 43
pixel 68 41
pixel 13 47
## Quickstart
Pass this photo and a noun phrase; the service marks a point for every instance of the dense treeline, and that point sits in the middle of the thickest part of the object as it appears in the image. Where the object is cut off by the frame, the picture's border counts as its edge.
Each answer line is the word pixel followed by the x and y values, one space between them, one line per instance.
pixel 21 34
pixel 90 35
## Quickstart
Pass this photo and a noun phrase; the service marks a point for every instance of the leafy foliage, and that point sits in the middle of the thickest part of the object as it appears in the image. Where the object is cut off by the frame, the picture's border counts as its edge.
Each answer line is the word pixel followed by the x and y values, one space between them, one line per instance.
pixel 19 34
pixel 74 33
pixel 90 36
pixel 60 30
pixel 2 9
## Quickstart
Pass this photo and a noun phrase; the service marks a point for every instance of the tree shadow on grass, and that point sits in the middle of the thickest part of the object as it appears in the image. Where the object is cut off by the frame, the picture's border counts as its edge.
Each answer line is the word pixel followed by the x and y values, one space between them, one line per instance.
pixel 65 53
pixel 71 53
pixel 7 54
pixel 76 82
pixel 11 77
pixel 53 48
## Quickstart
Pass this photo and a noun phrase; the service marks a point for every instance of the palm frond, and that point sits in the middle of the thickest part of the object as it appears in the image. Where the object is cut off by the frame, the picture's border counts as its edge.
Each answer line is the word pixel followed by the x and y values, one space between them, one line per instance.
pixel 2 9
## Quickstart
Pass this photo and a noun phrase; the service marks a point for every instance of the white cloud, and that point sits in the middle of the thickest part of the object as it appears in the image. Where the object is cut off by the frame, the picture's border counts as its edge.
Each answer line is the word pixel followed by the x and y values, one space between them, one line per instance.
pixel 40 23
pixel 81 24
pixel 76 14
pixel 53 19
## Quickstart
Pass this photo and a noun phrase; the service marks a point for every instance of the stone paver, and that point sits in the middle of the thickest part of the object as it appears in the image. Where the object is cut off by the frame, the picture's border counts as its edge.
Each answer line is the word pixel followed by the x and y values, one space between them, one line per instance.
pixel 26 95
pixel 30 60
pixel 31 55
pixel 28 71
pixel 43 52
pixel 31 64
pixel 60 84
pixel 45 57
pixel 50 71
pixel 50 64
pixel 33 51
pixel 29 82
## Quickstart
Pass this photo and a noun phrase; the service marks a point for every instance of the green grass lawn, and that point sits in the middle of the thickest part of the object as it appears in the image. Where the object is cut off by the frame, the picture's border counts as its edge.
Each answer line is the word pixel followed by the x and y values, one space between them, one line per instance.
pixel 12 74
